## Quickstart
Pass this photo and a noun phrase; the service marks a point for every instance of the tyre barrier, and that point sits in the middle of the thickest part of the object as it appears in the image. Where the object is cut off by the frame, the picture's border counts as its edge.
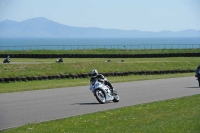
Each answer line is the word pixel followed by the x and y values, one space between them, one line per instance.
pixel 13 79
pixel 1 80
pixel 29 78
pixel 24 79
pixel 101 55
pixel 18 79
pixel 87 75
pixel 6 79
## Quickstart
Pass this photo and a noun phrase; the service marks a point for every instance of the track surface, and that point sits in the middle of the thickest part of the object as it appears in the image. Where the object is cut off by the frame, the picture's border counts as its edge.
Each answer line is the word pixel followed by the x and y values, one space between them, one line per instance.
pixel 17 109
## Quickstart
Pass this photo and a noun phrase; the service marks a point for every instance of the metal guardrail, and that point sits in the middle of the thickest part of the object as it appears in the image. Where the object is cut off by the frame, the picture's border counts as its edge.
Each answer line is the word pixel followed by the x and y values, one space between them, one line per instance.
pixel 84 47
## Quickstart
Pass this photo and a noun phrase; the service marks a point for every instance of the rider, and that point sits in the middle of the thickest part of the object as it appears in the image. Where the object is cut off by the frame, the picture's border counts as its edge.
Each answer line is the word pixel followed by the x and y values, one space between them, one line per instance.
pixel 7 58
pixel 97 76
pixel 197 71
pixel 60 60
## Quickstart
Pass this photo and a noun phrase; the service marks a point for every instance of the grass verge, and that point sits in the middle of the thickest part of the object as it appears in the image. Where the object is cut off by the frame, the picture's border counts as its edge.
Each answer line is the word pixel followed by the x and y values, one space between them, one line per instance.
pixel 50 84
pixel 171 116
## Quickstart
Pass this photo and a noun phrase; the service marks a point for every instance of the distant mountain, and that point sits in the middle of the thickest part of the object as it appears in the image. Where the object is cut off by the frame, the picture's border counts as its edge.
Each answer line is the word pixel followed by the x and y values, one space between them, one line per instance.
pixel 42 27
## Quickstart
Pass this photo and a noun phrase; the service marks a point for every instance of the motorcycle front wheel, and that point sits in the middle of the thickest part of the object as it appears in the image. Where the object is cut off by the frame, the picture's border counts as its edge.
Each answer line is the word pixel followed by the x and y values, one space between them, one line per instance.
pixel 116 98
pixel 198 78
pixel 100 96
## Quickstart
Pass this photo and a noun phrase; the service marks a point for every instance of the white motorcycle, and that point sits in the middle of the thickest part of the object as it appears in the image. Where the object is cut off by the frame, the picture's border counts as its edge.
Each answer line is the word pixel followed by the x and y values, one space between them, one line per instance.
pixel 103 93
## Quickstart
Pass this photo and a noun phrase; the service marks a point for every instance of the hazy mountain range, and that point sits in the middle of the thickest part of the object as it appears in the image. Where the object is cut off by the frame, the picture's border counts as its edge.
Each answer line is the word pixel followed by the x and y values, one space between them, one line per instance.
pixel 42 27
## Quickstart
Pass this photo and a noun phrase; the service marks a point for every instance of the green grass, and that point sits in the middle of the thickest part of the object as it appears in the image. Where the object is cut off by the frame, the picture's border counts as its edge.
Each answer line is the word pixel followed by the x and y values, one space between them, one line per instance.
pixel 175 116
pixel 170 116
pixel 20 67
pixel 40 67
pixel 101 51
pixel 52 84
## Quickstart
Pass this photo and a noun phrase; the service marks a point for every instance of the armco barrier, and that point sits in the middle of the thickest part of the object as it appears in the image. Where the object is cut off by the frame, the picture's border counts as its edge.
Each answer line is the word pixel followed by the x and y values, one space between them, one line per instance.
pixel 101 55
pixel 86 75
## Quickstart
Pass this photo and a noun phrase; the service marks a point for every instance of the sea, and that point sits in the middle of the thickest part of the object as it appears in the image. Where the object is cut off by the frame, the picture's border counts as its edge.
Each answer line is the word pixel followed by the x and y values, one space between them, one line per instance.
pixel 98 43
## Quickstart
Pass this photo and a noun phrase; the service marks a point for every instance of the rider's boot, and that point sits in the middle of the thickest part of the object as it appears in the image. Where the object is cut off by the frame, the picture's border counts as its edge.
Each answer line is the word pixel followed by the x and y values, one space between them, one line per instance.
pixel 114 91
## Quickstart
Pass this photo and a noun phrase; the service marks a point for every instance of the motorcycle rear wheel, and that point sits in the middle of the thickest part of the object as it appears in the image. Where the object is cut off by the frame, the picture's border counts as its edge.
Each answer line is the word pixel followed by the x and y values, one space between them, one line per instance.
pixel 100 96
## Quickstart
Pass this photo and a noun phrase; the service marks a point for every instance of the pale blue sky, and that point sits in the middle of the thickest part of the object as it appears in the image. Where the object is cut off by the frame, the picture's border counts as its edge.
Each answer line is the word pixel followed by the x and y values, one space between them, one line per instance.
pixel 144 15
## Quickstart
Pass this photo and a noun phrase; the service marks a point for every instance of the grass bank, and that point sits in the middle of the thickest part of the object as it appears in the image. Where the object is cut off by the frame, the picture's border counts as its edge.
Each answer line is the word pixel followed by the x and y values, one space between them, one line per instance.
pixel 170 116
pixel 41 67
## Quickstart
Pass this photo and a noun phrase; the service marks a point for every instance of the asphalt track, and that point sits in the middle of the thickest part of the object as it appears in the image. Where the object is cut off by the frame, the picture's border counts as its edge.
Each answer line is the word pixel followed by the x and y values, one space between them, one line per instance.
pixel 20 108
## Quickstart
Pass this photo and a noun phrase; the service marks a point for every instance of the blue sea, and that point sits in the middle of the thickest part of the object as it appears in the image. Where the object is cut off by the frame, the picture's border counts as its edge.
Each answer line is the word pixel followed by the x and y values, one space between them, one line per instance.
pixel 94 43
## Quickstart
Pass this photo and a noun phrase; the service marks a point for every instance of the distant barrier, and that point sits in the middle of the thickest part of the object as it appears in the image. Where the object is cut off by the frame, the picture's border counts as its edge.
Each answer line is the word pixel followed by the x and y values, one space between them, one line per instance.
pixel 101 55
pixel 86 75
pixel 84 47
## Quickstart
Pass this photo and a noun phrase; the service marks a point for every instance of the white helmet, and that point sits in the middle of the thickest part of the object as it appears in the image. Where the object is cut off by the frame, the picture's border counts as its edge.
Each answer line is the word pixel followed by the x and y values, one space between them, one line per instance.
pixel 94 72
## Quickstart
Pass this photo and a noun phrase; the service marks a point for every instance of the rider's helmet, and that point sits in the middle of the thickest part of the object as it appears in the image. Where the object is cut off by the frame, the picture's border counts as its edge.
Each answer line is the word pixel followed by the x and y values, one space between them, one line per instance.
pixel 94 72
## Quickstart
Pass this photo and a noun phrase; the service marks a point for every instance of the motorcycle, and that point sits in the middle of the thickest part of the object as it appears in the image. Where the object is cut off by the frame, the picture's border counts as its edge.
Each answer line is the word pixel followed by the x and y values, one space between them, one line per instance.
pixel 197 75
pixel 6 61
pixel 198 78
pixel 103 93
pixel 59 60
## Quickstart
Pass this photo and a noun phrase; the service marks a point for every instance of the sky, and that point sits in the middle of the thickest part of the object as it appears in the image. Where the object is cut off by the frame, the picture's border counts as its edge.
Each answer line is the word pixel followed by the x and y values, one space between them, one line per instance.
pixel 143 15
